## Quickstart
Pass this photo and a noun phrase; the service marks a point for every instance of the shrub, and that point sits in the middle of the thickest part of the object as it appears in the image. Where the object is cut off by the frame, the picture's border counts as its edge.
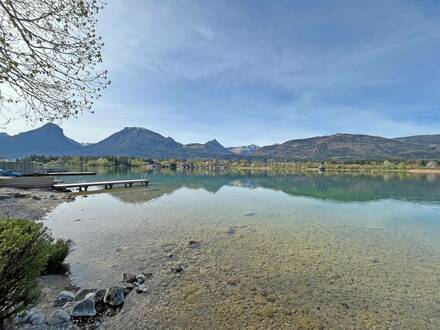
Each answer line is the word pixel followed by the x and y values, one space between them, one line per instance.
pixel 24 248
pixel 27 250
pixel 58 252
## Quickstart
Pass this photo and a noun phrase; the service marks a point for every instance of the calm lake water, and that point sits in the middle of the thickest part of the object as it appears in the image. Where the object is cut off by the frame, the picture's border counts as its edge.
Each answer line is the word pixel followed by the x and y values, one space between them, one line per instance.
pixel 275 250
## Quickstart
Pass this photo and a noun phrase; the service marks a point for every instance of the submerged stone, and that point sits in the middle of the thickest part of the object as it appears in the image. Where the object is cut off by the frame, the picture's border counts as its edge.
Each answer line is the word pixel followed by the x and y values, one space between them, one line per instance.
pixel 98 296
pixel 83 293
pixel 114 296
pixel 141 289
pixel 63 298
pixel 231 231
pixel 34 316
pixel 83 308
pixel 58 317
pixel 140 278
pixel 268 311
pixel 129 278
pixel 194 244
pixel 177 269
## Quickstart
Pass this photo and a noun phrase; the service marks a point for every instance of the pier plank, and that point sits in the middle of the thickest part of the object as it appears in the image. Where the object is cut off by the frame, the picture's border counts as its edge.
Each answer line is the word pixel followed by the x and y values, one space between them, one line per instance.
pixel 106 184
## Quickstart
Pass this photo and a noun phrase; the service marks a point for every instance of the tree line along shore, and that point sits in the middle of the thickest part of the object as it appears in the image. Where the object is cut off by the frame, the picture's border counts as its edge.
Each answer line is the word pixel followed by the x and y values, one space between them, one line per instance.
pixel 412 166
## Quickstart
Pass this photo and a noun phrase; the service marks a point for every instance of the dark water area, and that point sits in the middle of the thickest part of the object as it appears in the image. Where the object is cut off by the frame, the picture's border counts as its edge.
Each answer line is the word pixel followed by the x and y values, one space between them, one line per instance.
pixel 265 250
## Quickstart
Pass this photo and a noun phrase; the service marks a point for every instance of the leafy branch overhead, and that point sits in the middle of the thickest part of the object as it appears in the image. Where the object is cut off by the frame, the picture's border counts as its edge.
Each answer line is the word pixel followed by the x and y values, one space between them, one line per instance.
pixel 49 57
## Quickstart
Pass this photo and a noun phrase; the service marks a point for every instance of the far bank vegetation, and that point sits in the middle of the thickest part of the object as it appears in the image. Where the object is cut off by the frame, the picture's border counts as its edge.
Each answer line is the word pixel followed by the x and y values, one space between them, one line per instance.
pixel 244 163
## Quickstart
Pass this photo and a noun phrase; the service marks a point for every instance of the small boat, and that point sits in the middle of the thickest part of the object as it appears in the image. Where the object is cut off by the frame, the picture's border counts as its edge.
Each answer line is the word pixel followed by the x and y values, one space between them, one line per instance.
pixel 27 182
pixel 321 168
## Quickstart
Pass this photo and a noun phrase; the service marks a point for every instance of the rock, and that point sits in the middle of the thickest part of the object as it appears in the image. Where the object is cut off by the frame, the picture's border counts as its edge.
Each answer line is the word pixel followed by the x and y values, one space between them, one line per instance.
pixel 83 308
pixel 260 300
pixel 194 244
pixel 141 289
pixel 140 278
pixel 21 195
pixel 267 311
pixel 347 306
pixel 190 289
pixel 63 298
pixel 128 287
pixel 34 316
pixel 37 318
pixel 114 296
pixel 176 269
pixel 22 317
pixel 232 281
pixel 99 295
pixel 147 274
pixel 231 231
pixel 4 197
pixel 129 278
pixel 81 295
pixel 249 214
pixel 58 317
pixel 36 198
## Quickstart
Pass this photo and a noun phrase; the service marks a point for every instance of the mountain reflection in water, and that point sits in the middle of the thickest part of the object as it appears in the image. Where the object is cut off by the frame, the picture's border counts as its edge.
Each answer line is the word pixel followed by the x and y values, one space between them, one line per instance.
pixel 353 187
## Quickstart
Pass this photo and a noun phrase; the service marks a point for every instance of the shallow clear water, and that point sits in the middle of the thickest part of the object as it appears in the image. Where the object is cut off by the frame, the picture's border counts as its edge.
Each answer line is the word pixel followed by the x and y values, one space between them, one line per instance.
pixel 298 250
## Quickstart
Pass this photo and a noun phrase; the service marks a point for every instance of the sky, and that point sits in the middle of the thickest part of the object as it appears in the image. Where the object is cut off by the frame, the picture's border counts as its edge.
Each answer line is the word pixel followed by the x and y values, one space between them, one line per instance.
pixel 266 72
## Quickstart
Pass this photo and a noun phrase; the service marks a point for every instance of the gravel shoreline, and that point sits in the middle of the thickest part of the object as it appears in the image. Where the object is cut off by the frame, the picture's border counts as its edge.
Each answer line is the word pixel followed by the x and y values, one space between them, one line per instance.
pixel 30 204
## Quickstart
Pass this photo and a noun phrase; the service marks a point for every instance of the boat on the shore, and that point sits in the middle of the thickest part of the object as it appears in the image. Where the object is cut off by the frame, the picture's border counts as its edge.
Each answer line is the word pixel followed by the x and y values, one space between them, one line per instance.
pixel 27 182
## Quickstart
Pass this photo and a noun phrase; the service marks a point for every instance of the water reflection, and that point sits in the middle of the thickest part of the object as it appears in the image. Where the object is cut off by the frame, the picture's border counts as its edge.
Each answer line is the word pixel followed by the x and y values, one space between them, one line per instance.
pixel 345 187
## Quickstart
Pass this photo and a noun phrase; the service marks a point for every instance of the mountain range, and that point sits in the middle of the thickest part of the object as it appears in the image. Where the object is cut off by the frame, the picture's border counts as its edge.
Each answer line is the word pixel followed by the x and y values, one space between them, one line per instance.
pixel 141 142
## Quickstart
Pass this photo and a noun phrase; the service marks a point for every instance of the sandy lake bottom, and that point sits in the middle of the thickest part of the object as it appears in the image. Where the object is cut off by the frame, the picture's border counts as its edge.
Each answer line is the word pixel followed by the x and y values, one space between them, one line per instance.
pixel 264 252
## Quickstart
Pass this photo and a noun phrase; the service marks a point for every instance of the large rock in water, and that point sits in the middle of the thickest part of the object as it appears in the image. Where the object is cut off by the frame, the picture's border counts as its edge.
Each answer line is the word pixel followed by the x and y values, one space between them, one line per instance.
pixel 81 295
pixel 114 296
pixel 63 298
pixel 98 296
pixel 85 307
pixel 34 316
pixel 58 317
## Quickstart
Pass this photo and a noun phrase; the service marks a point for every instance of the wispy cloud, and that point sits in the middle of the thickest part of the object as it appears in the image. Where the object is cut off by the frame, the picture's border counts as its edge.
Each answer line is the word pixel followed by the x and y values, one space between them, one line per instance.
pixel 265 72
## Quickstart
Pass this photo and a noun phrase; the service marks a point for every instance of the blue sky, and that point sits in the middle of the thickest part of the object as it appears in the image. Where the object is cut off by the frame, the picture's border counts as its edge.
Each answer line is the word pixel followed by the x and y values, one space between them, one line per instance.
pixel 267 71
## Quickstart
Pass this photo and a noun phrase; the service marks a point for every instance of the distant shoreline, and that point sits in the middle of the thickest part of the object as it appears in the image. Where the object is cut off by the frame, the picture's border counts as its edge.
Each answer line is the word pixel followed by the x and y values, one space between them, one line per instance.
pixel 332 169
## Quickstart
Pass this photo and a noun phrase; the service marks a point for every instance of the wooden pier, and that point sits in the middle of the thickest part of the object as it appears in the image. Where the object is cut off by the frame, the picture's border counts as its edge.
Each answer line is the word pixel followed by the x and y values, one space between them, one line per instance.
pixel 105 184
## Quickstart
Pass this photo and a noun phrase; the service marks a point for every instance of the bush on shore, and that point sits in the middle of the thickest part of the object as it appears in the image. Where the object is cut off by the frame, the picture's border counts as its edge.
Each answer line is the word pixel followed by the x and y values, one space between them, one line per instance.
pixel 27 250
pixel 58 252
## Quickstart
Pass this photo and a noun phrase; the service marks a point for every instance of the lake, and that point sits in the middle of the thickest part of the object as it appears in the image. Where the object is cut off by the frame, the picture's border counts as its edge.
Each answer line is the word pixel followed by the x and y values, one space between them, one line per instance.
pixel 269 250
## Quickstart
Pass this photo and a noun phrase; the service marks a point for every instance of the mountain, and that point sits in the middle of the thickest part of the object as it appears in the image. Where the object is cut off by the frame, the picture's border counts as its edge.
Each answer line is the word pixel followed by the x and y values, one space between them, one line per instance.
pixel 136 142
pixel 208 150
pixel 422 140
pixel 244 150
pixel 48 139
pixel 347 146
pixel 141 142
